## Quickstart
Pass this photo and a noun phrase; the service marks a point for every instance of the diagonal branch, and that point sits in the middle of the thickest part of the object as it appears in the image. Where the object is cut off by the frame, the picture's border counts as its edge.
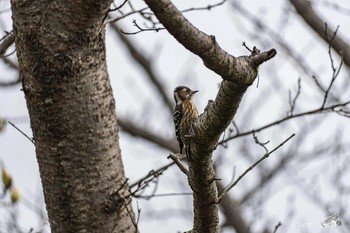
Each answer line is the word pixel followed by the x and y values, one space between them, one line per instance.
pixel 265 156
pixel 306 11
pixel 141 132
pixel 146 64
pixel 6 42
pixel 264 27
pixel 229 205
pixel 238 73
pixel 205 46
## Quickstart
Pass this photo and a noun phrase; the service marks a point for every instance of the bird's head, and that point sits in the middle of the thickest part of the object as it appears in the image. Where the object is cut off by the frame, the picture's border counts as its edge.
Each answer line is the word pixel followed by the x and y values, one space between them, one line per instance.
pixel 183 93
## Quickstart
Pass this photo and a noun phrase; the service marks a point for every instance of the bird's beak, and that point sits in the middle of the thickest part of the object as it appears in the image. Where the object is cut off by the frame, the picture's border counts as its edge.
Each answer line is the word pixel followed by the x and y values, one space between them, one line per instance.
pixel 193 92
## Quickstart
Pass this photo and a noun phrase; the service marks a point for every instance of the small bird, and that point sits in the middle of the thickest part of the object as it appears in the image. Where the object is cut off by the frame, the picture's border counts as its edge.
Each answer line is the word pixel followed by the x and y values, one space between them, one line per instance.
pixel 185 114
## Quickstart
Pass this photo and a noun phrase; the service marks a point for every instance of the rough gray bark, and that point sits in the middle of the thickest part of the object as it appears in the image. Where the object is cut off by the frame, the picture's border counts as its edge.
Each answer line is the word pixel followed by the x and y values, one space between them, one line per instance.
pixel 61 52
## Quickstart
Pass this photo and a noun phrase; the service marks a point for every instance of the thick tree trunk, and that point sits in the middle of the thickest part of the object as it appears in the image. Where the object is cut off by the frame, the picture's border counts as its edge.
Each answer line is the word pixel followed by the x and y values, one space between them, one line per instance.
pixel 61 52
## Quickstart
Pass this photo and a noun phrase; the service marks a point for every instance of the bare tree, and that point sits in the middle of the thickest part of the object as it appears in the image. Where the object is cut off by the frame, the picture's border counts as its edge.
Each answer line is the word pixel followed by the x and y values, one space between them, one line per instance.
pixel 65 70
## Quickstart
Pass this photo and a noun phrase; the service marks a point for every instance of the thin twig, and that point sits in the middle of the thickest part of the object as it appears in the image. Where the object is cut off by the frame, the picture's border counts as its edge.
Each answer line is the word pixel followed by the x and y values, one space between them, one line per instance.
pixel 245 46
pixel 7 55
pixel 334 6
pixel 29 138
pixel 209 7
pixel 277 226
pixel 262 144
pixel 292 103
pixel 262 26
pixel 178 162
pixel 334 69
pixel 6 42
pixel 318 110
pixel 235 126
pixel 119 7
pixel 157 172
pixel 131 216
pixel 10 83
pixel 266 155
pixel 147 64
pixel 141 29
pixel 163 195
pixel 343 113
pixel 112 20
pixel 318 84
pixel 138 215
pixel 141 187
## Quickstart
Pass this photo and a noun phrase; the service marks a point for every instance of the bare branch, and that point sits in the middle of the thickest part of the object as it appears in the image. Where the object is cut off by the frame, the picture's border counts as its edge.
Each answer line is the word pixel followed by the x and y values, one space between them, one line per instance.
pixel 10 83
pixel 146 64
pixel 292 103
pixel 138 216
pixel 140 29
pixel 235 126
pixel 150 175
pixel 334 6
pixel 245 46
pixel 119 7
pixel 337 108
pixel 147 197
pixel 137 131
pixel 209 7
pixel 112 20
pixel 178 162
pixel 131 215
pixel 277 226
pixel 306 11
pixel 335 70
pixel 19 130
pixel 262 144
pixel 265 156
pixel 205 46
pixel 318 84
pixel 298 59
pixel 238 74
pixel 6 42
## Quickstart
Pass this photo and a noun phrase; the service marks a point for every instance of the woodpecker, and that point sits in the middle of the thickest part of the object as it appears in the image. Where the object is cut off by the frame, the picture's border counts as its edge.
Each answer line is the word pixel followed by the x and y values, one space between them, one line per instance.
pixel 185 114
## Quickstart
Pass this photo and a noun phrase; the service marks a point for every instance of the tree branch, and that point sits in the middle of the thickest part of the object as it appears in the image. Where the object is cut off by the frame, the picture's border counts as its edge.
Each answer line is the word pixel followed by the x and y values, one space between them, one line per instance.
pixel 265 156
pixel 238 74
pixel 178 162
pixel 306 11
pixel 298 59
pixel 141 132
pixel 7 41
pixel 337 108
pixel 205 46
pixel 146 64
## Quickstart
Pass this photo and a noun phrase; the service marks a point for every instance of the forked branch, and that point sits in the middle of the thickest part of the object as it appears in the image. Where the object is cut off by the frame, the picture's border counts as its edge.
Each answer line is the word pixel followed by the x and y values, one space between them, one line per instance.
pixel 238 73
